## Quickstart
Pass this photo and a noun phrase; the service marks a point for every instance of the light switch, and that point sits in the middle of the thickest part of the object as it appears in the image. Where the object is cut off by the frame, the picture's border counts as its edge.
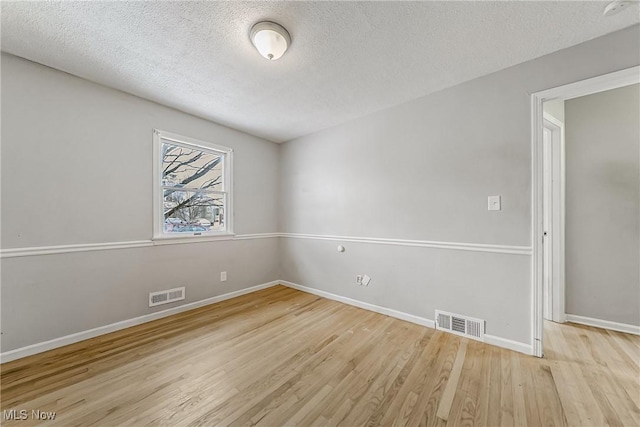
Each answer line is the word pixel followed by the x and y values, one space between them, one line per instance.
pixel 494 203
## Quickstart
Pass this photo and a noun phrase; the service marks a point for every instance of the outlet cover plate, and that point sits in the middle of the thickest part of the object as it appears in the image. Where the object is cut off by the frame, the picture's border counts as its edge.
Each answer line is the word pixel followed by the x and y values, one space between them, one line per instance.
pixel 494 203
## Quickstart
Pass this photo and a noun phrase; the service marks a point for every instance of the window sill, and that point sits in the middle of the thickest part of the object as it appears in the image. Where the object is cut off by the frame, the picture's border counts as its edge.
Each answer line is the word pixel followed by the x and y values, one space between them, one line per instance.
pixel 177 240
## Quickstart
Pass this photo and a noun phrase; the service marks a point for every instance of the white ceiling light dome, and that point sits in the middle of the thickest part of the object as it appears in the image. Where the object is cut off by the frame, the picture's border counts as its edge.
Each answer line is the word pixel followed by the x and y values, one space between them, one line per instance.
pixel 617 6
pixel 272 40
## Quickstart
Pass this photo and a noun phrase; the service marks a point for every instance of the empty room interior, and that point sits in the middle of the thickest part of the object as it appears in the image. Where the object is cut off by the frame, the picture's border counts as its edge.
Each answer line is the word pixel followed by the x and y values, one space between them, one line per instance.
pixel 274 213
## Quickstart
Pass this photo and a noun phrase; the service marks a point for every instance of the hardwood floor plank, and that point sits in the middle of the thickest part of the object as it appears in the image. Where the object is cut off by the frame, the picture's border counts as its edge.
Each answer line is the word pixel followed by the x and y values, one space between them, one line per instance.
pixel 398 381
pixel 464 403
pixel 425 411
pixel 517 385
pixel 624 408
pixel 485 386
pixel 405 401
pixel 452 384
pixel 376 386
pixel 546 395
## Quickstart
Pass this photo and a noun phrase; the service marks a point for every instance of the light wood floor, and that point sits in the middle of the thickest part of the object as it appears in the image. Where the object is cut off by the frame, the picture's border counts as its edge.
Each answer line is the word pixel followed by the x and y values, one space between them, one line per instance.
pixel 283 357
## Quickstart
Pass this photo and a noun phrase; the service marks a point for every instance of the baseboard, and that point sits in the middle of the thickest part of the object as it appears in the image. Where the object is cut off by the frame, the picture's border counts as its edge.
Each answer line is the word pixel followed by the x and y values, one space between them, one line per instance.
pixel 29 350
pixel 518 346
pixel 605 324
pixel 489 339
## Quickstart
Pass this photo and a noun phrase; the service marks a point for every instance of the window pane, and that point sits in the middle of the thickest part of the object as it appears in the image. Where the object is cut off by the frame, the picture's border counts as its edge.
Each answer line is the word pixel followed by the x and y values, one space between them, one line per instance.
pixel 193 212
pixel 190 167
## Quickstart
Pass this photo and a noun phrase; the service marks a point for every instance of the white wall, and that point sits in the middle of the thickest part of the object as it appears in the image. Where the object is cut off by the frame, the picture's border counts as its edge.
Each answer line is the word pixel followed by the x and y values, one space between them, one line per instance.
pixel 423 171
pixel 76 169
pixel 603 205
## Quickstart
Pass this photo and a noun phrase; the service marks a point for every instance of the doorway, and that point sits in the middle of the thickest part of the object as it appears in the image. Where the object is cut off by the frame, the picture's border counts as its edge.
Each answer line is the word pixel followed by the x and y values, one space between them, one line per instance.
pixel 548 198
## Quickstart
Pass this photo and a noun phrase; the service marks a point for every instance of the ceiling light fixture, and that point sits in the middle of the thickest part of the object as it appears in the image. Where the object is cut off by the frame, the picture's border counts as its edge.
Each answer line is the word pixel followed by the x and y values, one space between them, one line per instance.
pixel 617 6
pixel 272 40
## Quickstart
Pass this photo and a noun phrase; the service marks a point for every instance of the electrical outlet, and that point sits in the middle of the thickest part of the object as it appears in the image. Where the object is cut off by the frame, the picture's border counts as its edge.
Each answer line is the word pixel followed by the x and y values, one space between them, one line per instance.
pixel 359 280
pixel 493 203
pixel 223 276
pixel 365 280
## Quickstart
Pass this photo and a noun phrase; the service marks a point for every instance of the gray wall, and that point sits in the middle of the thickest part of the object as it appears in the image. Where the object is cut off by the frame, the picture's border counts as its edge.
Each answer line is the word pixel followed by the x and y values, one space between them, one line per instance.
pixel 76 169
pixel 603 205
pixel 423 170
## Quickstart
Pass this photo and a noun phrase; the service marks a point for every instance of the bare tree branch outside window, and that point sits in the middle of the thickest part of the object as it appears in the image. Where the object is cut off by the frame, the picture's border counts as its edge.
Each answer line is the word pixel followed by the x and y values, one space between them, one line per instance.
pixel 193 185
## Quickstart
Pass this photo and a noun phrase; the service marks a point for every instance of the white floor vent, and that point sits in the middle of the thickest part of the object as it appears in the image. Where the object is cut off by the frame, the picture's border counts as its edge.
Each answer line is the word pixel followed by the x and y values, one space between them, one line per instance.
pixel 165 297
pixel 460 325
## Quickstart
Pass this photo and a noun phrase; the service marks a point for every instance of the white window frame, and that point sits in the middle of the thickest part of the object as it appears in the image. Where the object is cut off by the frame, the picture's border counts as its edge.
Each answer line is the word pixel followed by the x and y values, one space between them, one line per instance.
pixel 158 206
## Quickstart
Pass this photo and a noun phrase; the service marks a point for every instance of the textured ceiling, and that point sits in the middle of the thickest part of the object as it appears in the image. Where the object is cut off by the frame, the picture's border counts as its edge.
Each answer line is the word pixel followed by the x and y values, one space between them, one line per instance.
pixel 347 59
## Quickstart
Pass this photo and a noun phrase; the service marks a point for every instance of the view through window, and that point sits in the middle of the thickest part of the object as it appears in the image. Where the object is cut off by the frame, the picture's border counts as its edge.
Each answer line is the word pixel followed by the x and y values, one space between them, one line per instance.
pixel 194 187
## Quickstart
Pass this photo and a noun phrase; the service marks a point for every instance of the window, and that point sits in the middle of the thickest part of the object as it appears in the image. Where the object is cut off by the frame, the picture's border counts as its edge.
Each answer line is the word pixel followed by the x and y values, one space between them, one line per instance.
pixel 192 187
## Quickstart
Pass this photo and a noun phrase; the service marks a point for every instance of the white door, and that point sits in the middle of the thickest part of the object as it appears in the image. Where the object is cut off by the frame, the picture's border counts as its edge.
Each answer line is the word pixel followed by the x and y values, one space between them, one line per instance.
pixel 547 221
pixel 553 220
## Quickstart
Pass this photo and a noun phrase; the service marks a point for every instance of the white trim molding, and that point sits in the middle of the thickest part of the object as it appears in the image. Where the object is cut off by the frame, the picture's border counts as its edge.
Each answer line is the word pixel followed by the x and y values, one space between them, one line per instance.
pixel 617 79
pixel 63 249
pixel 520 347
pixel 30 350
pixel 537 283
pixel 590 86
pixel 88 247
pixel 488 339
pixel 604 324
pixel 256 236
pixel 476 247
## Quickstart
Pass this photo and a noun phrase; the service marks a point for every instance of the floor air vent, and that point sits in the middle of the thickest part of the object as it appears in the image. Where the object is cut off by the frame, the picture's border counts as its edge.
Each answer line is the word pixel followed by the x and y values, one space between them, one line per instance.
pixel 165 297
pixel 460 325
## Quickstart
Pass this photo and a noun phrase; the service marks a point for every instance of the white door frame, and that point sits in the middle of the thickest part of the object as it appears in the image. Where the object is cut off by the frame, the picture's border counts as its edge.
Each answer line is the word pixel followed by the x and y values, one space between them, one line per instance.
pixel 602 83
